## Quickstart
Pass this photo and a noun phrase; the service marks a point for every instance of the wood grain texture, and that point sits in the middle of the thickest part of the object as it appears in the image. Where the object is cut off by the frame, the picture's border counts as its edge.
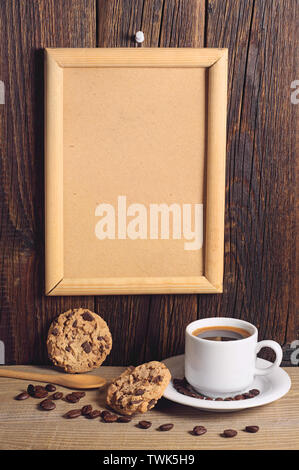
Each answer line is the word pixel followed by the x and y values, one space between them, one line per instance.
pixel 260 270
pixel 260 278
pixel 25 28
pixel 23 426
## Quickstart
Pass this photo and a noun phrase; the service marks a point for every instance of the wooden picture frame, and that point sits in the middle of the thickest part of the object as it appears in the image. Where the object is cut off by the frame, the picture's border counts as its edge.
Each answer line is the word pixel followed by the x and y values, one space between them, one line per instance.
pixel 64 69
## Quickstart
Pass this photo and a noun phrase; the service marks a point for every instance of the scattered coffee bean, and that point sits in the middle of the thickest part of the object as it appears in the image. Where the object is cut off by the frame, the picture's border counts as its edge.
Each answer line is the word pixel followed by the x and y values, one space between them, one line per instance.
pixel 104 413
pixel 50 388
pixel 144 424
pixel 165 427
pixel 40 393
pixel 239 397
pixel 47 405
pixel 22 396
pixel 31 389
pixel 229 433
pixel 79 394
pixel 72 414
pixel 86 409
pixel 39 388
pixel 254 392
pixel 71 398
pixel 56 396
pixel 124 419
pixel 93 414
pixel 110 418
pixel 199 430
pixel 252 429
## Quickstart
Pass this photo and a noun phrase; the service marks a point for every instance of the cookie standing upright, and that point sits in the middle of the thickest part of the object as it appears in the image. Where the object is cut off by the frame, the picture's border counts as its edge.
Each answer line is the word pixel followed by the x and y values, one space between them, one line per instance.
pixel 79 340
pixel 138 389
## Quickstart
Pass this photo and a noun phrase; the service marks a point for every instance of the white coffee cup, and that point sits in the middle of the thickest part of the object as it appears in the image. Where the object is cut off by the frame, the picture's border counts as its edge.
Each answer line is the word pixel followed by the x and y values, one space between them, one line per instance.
pixel 219 368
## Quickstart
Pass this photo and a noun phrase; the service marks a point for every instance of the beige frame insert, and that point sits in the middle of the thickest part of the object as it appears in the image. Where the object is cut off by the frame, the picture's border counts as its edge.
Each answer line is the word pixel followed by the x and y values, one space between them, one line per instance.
pixel 215 60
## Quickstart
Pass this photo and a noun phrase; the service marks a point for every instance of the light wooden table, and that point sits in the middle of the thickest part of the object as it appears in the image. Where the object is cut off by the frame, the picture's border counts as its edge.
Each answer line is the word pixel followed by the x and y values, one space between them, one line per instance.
pixel 24 426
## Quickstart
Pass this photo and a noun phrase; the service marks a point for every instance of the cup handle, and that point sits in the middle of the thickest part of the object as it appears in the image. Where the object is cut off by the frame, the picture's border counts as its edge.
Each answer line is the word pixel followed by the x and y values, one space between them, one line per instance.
pixel 278 351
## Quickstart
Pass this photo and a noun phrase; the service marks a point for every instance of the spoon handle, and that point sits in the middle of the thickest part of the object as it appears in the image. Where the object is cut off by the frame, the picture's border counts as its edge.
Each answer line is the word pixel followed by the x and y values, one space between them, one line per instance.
pixel 18 374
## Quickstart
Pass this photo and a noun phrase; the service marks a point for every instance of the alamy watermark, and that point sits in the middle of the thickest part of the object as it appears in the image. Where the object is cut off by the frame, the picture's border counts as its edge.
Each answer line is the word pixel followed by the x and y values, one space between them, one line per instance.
pixel 295 93
pixel 2 353
pixel 138 221
pixel 2 92
pixel 294 358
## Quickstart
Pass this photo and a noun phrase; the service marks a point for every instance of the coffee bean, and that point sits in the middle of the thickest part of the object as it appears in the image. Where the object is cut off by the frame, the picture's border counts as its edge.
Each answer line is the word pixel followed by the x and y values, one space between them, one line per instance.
pixel 247 396
pixel 47 405
pixel 219 399
pixel 208 398
pixel 104 413
pixel 144 424
pixel 22 396
pixel 229 433
pixel 72 414
pixel 199 430
pixel 93 414
pixel 165 427
pixel 110 418
pixel 50 388
pixel 79 394
pixel 252 429
pixel 31 389
pixel 239 397
pixel 39 388
pixel 124 419
pixel 254 392
pixel 71 398
pixel 56 396
pixel 86 409
pixel 40 393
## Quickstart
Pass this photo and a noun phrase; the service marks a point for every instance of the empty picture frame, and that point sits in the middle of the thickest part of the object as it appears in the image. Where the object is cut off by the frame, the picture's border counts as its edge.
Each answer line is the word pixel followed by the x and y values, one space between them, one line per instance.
pixel 135 144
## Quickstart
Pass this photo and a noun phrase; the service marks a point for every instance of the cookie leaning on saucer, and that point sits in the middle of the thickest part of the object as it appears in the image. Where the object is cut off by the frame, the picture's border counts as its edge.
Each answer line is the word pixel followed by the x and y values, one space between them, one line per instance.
pixel 138 389
pixel 79 340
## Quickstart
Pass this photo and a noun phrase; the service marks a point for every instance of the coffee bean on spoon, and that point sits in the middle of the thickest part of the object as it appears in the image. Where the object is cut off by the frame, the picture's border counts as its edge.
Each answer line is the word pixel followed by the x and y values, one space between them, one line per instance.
pixel 229 433
pixel 47 405
pixel 72 414
pixel 239 397
pixel 252 429
pixel 50 388
pixel 199 430
pixel 165 427
pixel 22 396
pixel 254 392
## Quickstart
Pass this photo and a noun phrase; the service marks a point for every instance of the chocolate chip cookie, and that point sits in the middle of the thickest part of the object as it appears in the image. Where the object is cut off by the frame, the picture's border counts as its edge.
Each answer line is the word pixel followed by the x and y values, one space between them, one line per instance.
pixel 79 340
pixel 138 388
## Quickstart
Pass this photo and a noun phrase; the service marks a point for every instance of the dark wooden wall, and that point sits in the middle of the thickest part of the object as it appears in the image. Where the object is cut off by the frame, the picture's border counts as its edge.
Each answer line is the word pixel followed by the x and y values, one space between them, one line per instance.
pixel 260 235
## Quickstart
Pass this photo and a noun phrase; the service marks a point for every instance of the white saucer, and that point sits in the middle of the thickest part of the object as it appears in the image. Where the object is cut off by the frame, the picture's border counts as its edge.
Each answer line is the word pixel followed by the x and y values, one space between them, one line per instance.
pixel 271 387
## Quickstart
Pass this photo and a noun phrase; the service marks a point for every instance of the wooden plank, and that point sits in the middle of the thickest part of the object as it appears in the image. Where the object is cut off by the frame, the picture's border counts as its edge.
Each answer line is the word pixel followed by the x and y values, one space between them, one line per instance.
pixel 182 25
pixel 260 274
pixel 23 426
pixel 25 28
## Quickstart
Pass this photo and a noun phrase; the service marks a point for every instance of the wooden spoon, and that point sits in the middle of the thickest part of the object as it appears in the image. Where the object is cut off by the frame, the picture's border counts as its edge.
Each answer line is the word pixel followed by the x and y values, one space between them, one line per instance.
pixel 67 380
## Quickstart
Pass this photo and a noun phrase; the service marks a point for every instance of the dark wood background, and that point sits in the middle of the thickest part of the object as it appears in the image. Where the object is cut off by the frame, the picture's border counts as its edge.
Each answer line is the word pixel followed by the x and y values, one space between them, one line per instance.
pixel 260 230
